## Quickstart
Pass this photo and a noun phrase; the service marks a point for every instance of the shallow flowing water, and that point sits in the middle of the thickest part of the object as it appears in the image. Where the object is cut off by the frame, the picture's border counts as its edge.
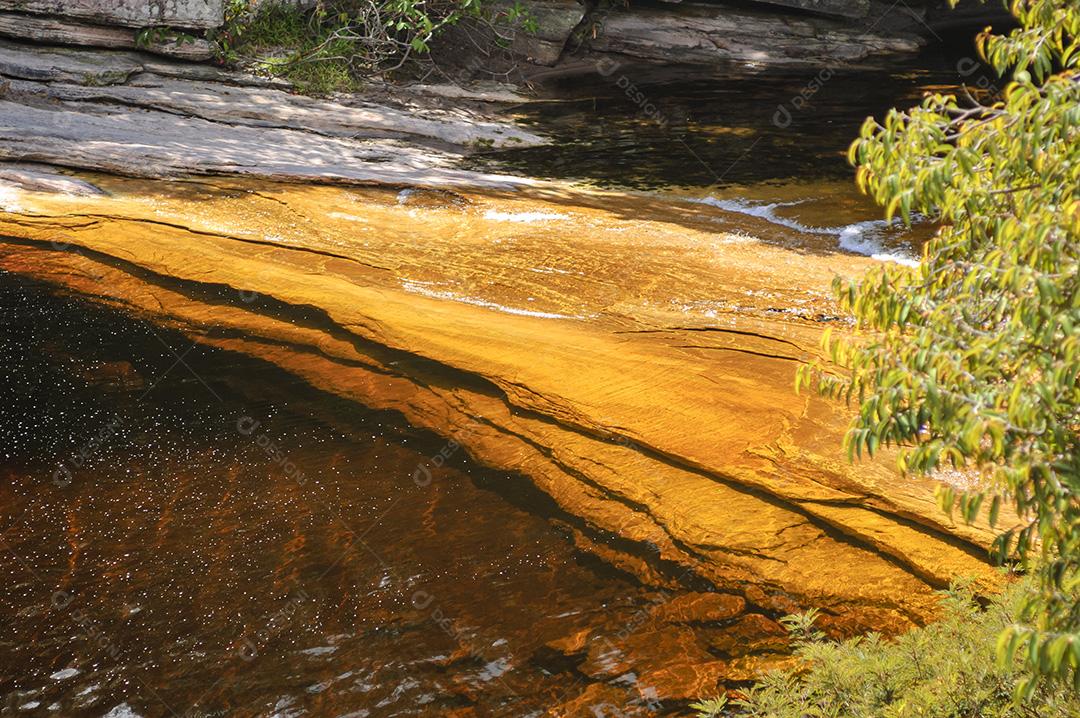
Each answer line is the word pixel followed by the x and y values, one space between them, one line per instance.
pixel 189 531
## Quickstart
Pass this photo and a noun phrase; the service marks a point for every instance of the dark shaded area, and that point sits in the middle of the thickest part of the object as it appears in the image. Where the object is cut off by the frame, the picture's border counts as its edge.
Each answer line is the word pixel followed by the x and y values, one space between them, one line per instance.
pixel 225 539
pixel 649 127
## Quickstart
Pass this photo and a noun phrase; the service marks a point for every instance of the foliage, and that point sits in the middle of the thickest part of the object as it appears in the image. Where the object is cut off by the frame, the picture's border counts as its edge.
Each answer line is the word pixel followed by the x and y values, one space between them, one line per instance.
pixel 973 358
pixel 710 707
pixel 338 42
pixel 801 627
pixel 943 670
pixel 280 39
pixel 150 36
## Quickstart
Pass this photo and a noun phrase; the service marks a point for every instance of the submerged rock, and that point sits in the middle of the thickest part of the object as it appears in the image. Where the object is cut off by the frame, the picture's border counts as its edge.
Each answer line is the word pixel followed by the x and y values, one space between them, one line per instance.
pixel 647 650
pixel 597 699
pixel 571 645
pixel 752 633
pixel 686 680
pixel 700 608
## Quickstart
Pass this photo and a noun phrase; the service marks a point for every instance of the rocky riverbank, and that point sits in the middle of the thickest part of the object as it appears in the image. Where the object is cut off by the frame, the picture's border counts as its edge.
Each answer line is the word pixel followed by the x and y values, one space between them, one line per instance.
pixel 567 35
pixel 136 115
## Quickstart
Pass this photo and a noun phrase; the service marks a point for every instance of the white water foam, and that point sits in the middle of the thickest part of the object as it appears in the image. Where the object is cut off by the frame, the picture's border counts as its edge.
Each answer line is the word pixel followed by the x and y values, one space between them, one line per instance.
pixel 860 237
pixel 523 217
pixel 64 674
pixel 764 210
pixel 418 288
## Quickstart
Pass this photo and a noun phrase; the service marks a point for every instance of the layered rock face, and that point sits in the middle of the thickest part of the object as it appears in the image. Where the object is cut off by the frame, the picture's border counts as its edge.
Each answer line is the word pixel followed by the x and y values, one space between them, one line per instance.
pixel 198 14
pixel 64 31
pixel 163 27
pixel 699 35
pixel 731 36
pixel 133 114
pixel 567 32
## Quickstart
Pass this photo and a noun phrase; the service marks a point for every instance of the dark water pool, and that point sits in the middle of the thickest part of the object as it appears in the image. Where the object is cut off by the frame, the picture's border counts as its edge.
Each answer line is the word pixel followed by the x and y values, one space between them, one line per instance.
pixel 186 533
pixel 652 128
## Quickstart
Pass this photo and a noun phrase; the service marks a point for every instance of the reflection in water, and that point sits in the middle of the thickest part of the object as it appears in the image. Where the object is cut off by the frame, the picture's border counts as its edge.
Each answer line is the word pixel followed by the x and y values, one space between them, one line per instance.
pixel 771 146
pixel 778 125
pixel 183 535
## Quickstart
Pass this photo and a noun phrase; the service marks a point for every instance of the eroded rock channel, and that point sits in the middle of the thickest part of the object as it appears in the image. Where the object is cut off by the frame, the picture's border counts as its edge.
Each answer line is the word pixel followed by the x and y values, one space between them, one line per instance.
pixel 450 441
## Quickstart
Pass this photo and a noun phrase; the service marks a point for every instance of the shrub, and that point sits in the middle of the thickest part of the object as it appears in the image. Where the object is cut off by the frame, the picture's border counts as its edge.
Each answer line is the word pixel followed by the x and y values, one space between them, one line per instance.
pixel 973 358
pixel 338 42
pixel 946 669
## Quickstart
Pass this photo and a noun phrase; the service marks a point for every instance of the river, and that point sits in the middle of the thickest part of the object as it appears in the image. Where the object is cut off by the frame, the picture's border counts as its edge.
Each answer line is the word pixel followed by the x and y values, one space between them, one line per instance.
pixel 227 491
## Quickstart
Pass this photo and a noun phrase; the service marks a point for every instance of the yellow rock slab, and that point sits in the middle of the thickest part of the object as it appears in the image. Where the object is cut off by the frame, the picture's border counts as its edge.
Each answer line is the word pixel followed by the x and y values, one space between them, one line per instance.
pixel 632 355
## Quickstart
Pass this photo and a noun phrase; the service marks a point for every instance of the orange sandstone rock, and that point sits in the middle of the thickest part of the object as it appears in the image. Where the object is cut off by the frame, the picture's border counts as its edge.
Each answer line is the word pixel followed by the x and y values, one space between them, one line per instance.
pixel 700 608
pixel 622 352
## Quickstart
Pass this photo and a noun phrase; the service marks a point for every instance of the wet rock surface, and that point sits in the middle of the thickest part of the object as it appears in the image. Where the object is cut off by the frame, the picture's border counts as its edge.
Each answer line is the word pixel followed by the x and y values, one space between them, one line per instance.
pixel 419 303
pixel 752 633
pixel 760 497
pixel 700 608
pixel 45 178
